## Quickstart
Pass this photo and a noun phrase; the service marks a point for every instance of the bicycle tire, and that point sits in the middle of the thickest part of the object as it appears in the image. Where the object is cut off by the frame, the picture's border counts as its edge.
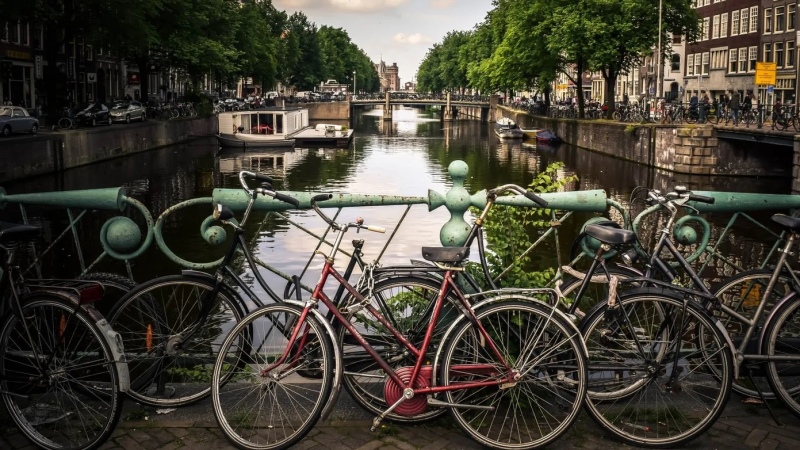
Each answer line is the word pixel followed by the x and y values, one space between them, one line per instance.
pixel 543 350
pixel 76 402
pixel 414 299
pixel 151 319
pixel 742 292
pixel 779 340
pixel 658 411
pixel 64 123
pixel 252 420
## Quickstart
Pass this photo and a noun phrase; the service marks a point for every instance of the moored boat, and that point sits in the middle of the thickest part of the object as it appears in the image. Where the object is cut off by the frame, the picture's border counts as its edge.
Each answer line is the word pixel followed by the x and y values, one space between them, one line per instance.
pixel 269 127
pixel 530 133
pixel 547 136
pixel 505 128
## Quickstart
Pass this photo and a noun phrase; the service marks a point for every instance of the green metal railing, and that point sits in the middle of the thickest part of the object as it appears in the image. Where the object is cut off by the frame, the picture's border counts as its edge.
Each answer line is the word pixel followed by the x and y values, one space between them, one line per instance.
pixel 123 239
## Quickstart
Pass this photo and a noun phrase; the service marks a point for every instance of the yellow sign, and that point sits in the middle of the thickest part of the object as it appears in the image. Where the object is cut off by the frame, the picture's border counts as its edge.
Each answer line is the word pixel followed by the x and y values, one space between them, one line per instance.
pixel 765 73
pixel 561 86
pixel 18 55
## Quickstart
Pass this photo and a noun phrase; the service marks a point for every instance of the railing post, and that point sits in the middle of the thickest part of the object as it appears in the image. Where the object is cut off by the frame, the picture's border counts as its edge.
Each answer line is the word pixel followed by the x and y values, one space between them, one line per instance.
pixel 387 107
pixel 760 119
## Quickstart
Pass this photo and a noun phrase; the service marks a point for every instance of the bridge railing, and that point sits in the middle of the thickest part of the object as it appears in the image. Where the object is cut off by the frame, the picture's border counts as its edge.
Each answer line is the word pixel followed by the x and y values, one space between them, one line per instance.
pixel 131 230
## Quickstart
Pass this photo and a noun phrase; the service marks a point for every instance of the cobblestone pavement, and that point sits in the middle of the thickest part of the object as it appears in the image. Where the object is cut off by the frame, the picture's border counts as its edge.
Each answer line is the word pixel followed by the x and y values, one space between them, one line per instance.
pixel 740 427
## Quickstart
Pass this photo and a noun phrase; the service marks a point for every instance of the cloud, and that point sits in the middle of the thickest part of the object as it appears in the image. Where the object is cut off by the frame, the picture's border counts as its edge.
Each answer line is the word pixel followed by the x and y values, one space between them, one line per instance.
pixel 415 38
pixel 442 4
pixel 357 6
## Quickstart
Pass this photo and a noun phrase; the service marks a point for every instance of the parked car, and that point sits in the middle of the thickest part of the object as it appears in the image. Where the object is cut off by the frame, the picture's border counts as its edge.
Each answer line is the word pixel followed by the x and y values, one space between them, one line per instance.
pixel 127 111
pixel 92 114
pixel 15 119
pixel 270 95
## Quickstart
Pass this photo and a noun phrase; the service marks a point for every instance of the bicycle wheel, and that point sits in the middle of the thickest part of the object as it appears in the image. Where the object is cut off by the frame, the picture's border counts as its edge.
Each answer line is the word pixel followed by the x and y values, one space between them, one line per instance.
pixel 743 293
pixel 546 358
pixel 668 364
pixel 170 357
pixel 407 303
pixel 748 118
pixel 59 381
pixel 267 403
pixel 64 123
pixel 782 339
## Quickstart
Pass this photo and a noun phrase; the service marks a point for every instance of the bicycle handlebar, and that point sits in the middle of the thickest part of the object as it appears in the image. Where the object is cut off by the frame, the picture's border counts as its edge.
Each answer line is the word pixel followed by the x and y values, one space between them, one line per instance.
pixel 359 223
pixel 530 195
pixel 702 199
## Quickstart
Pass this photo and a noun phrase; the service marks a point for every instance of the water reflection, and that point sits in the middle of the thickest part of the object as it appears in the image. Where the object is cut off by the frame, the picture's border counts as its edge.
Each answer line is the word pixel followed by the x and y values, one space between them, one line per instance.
pixel 405 156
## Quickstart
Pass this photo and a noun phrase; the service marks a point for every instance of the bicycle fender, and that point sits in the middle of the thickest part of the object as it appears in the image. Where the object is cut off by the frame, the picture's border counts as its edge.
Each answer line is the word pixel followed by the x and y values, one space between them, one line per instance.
pixel 337 356
pixel 198 274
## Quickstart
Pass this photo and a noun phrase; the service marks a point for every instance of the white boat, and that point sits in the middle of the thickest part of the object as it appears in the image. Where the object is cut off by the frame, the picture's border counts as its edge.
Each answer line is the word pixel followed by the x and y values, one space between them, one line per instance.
pixel 505 128
pixel 259 128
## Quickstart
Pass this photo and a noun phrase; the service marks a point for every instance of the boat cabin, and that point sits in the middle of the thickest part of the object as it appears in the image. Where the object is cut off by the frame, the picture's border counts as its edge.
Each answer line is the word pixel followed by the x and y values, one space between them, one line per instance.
pixel 273 122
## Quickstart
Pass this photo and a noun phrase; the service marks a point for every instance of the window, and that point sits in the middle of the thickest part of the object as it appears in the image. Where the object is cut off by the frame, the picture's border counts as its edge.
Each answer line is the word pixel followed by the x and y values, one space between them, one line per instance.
pixel 13 32
pixel 768 20
pixel 706 2
pixel 715 28
pixel 697 66
pixel 752 56
pixel 790 16
pixel 743 59
pixel 790 56
pixel 700 28
pixel 779 54
pixel 734 23
pixel 705 28
pixel 743 21
pixel 723 27
pixel 89 53
pixel 705 63
pixel 732 64
pixel 4 31
pixel 754 19
pixel 675 63
pixel 26 34
pixel 677 38
pixel 779 19
pixel 767 52
pixel 690 65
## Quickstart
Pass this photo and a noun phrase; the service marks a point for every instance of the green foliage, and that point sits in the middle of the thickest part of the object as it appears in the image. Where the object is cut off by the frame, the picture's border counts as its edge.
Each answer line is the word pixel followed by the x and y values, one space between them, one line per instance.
pixel 509 230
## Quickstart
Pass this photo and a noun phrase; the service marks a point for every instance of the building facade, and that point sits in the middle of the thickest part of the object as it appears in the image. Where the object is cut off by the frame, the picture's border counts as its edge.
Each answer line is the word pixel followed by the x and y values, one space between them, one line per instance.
pixel 778 45
pixel 389 76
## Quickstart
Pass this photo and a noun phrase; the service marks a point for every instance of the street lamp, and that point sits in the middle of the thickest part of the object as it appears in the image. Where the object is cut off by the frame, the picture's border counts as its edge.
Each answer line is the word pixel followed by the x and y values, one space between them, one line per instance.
pixel 659 83
pixel 354 83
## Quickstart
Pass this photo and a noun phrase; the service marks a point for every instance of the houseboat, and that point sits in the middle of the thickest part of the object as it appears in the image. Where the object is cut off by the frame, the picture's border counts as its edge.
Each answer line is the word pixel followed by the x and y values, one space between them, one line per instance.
pixel 324 135
pixel 260 128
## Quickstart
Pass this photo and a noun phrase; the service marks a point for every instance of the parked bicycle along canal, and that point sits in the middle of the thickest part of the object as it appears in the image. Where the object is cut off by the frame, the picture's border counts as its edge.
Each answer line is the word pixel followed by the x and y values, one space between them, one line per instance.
pixel 407 156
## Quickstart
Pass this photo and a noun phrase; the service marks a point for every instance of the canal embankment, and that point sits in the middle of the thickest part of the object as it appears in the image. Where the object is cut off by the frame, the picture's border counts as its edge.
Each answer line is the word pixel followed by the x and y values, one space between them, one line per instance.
pixel 685 149
pixel 50 152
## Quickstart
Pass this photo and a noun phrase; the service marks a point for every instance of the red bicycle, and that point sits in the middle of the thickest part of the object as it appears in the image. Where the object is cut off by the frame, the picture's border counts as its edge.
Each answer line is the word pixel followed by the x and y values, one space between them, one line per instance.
pixel 511 369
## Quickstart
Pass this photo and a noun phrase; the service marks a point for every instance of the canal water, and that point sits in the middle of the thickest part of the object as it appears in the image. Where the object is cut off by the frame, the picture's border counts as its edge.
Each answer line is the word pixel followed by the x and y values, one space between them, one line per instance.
pixel 407 156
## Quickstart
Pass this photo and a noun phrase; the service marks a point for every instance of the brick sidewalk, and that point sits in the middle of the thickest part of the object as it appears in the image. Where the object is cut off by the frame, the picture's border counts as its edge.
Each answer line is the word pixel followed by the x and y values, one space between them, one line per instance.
pixel 740 427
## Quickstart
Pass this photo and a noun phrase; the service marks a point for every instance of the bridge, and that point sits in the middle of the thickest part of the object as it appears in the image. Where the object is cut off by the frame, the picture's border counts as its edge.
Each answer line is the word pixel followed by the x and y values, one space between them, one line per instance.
pixel 450 103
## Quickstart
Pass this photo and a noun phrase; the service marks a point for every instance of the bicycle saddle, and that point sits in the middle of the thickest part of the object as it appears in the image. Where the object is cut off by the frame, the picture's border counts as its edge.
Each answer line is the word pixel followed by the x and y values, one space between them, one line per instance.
pixel 788 222
pixel 609 235
pixel 12 232
pixel 445 254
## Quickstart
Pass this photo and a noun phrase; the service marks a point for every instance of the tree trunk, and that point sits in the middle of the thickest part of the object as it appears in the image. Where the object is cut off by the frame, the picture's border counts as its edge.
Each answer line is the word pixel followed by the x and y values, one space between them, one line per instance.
pixel 55 84
pixel 610 77
pixel 144 78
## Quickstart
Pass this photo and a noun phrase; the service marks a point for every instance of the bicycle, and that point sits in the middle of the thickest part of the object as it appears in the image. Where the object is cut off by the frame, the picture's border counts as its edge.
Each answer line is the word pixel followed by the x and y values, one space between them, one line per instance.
pixel 540 356
pixel 62 370
pixel 66 120
pixel 620 365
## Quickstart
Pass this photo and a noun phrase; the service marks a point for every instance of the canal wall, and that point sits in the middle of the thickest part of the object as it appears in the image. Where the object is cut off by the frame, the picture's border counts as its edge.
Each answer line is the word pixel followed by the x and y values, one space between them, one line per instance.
pixel 52 152
pixel 683 149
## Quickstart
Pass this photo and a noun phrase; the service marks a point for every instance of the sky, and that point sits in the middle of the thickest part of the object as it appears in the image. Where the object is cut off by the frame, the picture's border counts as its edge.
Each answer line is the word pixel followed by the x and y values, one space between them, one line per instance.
pixel 399 31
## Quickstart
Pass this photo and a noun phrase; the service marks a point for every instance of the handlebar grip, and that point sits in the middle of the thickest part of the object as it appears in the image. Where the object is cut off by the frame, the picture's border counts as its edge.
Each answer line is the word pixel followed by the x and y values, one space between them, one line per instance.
pixel 321 198
pixel 536 199
pixel 376 229
pixel 702 199
pixel 286 199
pixel 262 178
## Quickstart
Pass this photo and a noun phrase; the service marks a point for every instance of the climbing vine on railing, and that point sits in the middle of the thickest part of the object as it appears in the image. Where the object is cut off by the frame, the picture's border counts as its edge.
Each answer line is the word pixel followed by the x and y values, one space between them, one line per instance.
pixel 508 232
